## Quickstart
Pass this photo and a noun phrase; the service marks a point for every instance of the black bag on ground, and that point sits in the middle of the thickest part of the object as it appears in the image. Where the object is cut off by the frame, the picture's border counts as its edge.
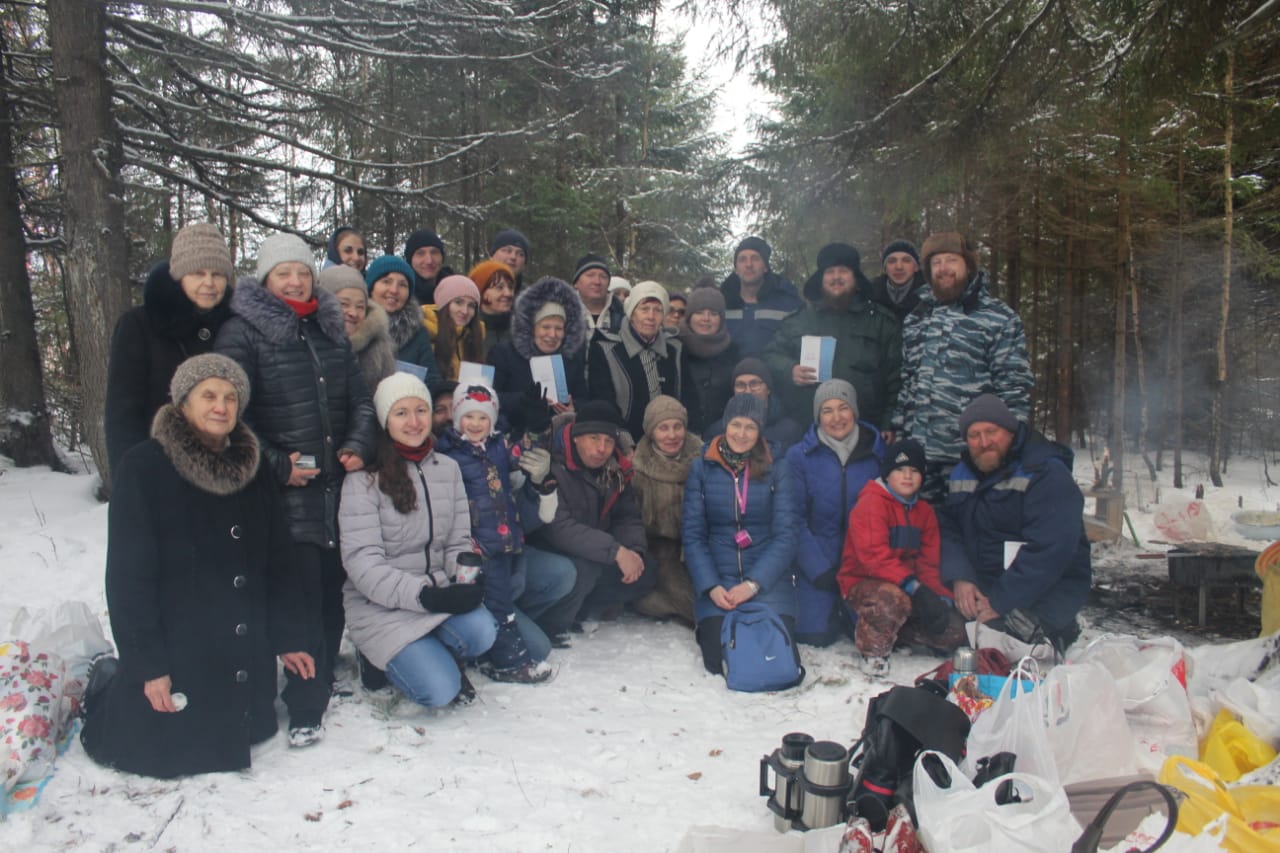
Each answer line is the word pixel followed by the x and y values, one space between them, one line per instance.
pixel 900 723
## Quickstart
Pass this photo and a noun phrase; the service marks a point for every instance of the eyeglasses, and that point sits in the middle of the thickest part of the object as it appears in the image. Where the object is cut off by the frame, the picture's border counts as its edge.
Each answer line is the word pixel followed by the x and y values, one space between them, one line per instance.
pixel 676 312
pixel 749 387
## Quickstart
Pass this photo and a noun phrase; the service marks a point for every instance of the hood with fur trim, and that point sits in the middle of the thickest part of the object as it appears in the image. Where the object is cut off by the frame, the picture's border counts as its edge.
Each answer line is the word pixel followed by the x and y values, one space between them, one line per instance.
pixel 531 301
pixel 276 321
pixel 223 473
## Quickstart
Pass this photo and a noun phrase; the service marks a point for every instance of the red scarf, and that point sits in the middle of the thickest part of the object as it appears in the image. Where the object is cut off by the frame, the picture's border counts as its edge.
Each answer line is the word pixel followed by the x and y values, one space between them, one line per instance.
pixel 302 309
pixel 413 454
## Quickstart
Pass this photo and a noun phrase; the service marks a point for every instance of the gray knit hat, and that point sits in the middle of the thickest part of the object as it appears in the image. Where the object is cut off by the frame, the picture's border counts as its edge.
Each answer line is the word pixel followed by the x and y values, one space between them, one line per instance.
pixel 987 408
pixel 834 389
pixel 282 248
pixel 200 247
pixel 662 408
pixel 210 365
pixel 746 406
pixel 341 277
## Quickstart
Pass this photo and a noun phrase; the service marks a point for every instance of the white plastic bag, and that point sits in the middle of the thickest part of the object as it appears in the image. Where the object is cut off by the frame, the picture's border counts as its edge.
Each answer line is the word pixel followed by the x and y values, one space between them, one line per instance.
pixel 69 630
pixel 1014 724
pixel 1088 733
pixel 1184 521
pixel 960 818
pixel 1151 675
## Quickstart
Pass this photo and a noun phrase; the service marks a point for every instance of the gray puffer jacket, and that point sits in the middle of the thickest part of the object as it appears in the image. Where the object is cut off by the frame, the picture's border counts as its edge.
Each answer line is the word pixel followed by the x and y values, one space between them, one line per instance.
pixel 386 553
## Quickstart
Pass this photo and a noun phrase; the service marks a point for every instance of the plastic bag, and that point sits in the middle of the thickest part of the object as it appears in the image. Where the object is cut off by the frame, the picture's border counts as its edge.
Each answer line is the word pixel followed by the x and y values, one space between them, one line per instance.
pixel 1232 750
pixel 1014 723
pixel 1088 733
pixel 1151 676
pixel 1184 522
pixel 1253 811
pixel 961 818
pixel 69 630
pixel 33 713
pixel 1207 840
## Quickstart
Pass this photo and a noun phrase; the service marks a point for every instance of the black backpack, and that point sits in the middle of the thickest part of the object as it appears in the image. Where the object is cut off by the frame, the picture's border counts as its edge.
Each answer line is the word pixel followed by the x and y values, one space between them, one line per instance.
pixel 900 724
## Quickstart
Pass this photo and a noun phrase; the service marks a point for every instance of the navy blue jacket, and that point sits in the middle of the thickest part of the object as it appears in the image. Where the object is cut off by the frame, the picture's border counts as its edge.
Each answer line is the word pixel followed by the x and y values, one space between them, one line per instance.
pixel 710 523
pixel 1032 499
pixel 753 325
pixel 825 495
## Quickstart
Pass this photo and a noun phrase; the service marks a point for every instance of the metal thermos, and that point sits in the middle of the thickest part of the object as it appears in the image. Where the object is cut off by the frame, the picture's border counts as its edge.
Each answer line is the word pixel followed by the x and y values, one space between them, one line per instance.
pixel 965 661
pixel 825 782
pixel 784 794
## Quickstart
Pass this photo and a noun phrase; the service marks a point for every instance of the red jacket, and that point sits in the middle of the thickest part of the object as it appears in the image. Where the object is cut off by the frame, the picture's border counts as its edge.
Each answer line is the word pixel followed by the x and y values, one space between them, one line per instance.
pixel 890 542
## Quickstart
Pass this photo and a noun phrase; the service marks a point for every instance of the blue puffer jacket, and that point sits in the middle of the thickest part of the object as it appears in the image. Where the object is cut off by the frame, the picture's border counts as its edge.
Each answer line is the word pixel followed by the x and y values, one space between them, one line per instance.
pixel 825 496
pixel 1032 499
pixel 486 473
pixel 710 523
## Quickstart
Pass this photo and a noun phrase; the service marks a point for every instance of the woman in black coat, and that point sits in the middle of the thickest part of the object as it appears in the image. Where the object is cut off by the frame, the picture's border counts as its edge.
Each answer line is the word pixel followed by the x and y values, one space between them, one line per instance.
pixel 710 357
pixel 547 319
pixel 314 419
pixel 184 303
pixel 200 586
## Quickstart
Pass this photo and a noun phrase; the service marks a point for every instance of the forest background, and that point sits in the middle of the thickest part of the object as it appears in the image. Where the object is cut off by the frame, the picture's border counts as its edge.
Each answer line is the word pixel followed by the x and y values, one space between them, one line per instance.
pixel 1115 162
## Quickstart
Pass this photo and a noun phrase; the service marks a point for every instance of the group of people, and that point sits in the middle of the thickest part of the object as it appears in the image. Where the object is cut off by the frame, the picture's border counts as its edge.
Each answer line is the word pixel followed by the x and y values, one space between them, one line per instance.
pixel 312 451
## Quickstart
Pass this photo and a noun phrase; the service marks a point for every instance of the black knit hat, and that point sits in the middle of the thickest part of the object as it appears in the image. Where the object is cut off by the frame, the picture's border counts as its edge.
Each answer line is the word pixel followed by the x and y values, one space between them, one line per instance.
pixel 905 453
pixel 418 239
pixel 900 246
pixel 510 237
pixel 589 262
pixel 597 416
pixel 835 255
pixel 987 408
pixel 755 244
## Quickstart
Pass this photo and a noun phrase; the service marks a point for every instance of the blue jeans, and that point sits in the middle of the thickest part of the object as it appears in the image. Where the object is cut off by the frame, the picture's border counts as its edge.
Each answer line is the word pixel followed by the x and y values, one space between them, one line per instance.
pixel 425 670
pixel 541 579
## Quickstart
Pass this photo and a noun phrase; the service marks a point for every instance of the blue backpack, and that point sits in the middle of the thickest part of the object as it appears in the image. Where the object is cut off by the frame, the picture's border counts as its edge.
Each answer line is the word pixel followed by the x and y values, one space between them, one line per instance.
pixel 758 652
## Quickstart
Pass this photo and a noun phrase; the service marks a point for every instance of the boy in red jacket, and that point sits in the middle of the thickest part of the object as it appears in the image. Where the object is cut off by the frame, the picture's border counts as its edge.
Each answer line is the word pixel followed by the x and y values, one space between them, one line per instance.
pixel 889 570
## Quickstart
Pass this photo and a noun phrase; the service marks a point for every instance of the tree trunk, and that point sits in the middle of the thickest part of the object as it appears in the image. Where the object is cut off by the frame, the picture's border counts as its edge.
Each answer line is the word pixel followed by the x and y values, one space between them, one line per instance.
pixel 1124 269
pixel 25 436
pixel 97 262
pixel 1216 425
pixel 1176 315
pixel 1066 327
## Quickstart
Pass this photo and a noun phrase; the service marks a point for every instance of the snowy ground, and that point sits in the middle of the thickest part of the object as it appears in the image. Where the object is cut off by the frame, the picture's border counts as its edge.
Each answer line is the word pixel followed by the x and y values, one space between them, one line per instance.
pixel 628 747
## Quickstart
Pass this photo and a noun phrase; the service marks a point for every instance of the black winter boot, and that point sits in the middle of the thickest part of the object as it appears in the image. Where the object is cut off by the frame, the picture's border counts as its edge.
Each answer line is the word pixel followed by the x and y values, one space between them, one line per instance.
pixel 508 658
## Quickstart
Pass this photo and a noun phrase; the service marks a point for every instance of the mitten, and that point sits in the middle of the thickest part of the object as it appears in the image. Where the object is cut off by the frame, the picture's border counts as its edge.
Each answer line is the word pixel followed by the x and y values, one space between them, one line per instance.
pixel 455 598
pixel 537 415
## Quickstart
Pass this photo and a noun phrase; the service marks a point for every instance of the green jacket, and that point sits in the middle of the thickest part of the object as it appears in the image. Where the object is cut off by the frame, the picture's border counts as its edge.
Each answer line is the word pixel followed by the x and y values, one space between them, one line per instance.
pixel 868 356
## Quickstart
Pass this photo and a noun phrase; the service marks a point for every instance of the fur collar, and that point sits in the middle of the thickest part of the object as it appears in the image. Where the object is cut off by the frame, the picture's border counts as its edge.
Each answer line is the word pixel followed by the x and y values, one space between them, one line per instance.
pixel 276 320
pixel 405 323
pixel 654 465
pixel 222 473
pixel 172 314
pixel 531 301
pixel 374 328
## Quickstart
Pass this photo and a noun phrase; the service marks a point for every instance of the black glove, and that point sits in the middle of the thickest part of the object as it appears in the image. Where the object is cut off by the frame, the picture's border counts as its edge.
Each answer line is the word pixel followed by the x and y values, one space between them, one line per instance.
pixel 827 581
pixel 537 415
pixel 932 610
pixel 454 598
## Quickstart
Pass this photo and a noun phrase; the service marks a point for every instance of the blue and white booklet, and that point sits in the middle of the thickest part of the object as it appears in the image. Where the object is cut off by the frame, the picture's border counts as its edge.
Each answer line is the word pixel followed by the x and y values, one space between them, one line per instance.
pixel 471 371
pixel 412 369
pixel 819 353
pixel 548 370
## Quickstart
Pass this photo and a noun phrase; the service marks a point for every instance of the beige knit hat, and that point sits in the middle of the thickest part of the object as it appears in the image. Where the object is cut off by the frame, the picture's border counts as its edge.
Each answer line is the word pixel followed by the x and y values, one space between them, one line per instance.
pixel 210 365
pixel 200 247
pixel 662 408
pixel 341 277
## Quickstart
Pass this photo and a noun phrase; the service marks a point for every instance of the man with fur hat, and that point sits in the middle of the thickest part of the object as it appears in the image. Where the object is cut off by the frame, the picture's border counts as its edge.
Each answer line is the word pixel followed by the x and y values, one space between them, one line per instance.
pixel 959 342
pixel 899 287
pixel 868 352
pixel 1014 551
pixel 756 298
pixel 598 522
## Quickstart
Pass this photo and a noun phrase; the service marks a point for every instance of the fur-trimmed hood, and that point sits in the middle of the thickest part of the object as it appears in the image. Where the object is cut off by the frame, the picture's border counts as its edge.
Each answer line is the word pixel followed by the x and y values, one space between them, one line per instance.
pixel 222 473
pixel 169 311
pixel 276 320
pixel 374 328
pixel 403 324
pixel 531 301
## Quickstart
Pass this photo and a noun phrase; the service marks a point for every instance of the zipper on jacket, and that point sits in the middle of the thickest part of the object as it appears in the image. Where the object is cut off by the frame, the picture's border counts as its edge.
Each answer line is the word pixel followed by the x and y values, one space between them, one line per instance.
pixel 737 520
pixel 431 519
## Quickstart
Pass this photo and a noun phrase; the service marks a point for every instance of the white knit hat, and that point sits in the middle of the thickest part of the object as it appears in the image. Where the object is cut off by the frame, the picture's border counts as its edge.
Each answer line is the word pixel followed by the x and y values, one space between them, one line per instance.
pixel 395 387
pixel 646 290
pixel 475 396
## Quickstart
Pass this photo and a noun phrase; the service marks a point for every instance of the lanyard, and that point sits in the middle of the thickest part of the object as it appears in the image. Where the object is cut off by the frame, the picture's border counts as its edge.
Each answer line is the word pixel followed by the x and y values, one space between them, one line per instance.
pixel 741 494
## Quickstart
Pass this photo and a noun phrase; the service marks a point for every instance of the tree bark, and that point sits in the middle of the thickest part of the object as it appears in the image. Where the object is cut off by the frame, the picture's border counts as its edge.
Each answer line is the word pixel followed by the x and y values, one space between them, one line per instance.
pixel 96 273
pixel 25 436
pixel 1216 425
pixel 1124 269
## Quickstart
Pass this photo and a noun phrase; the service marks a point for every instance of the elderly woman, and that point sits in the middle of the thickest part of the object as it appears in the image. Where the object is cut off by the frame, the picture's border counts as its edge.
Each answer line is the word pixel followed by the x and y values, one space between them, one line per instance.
pixel 837 456
pixel 641 362
pixel 389 280
pixel 710 357
pixel 497 285
pixel 454 325
pixel 200 587
pixel 547 320
pixel 661 462
pixel 364 322
pixel 314 420
pixel 184 303
pixel 739 526
pixel 405 522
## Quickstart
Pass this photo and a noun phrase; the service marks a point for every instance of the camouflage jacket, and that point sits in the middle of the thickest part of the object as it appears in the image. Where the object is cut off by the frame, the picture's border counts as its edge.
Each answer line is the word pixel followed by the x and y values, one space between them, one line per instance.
pixel 952 353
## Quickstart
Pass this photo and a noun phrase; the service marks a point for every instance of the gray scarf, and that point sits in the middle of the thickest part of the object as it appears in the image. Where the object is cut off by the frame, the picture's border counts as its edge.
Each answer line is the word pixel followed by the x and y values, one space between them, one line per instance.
pixel 843 447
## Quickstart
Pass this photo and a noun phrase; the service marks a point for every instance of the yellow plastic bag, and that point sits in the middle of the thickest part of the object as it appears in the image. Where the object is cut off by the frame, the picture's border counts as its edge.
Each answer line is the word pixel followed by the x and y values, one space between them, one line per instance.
pixel 1253 811
pixel 1268 568
pixel 1232 750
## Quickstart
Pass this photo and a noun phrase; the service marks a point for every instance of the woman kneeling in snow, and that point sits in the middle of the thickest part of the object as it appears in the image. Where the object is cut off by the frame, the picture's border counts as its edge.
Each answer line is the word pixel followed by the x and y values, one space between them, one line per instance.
pixel 404 522
pixel 201 587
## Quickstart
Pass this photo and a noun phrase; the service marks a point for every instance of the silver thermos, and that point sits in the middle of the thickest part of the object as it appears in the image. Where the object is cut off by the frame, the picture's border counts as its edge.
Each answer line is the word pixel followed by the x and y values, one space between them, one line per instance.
pixel 825 782
pixel 784 793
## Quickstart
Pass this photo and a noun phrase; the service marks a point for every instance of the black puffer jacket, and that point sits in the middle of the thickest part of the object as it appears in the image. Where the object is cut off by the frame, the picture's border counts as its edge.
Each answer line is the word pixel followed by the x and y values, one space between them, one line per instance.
pixel 148 344
pixel 308 396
